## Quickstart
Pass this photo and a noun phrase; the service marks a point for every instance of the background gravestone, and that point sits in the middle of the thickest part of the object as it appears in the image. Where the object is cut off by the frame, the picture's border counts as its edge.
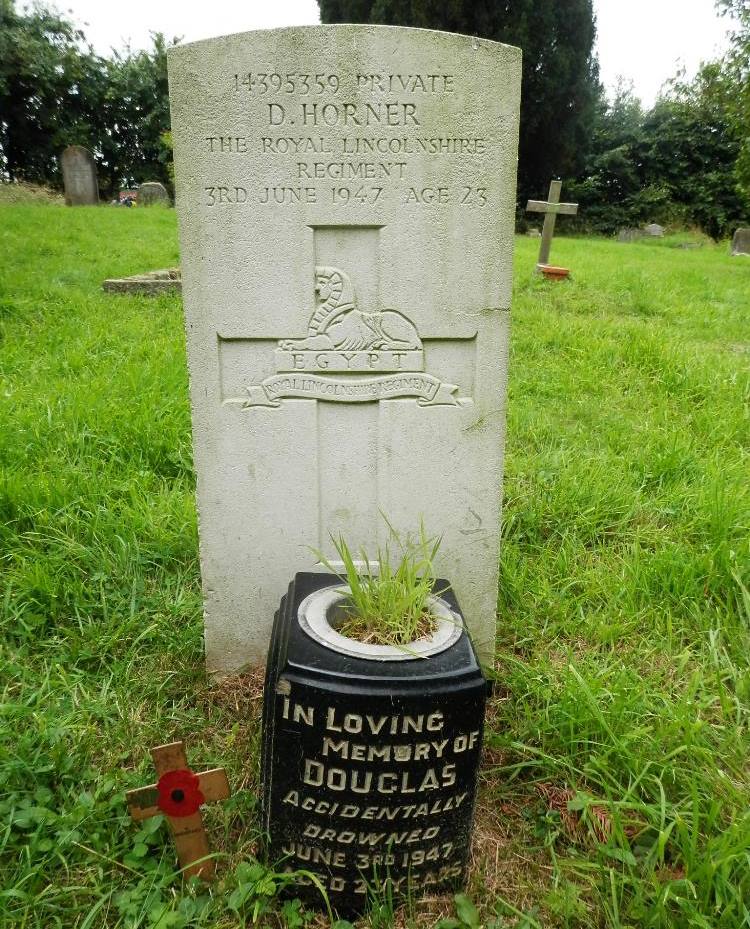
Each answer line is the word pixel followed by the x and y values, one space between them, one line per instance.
pixel 149 284
pixel 79 177
pixel 346 198
pixel 654 230
pixel 153 193
pixel 630 235
pixel 741 242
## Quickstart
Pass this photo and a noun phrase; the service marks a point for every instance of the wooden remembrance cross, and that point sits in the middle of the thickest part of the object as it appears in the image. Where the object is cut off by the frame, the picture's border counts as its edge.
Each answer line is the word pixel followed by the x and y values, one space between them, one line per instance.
pixel 550 208
pixel 179 794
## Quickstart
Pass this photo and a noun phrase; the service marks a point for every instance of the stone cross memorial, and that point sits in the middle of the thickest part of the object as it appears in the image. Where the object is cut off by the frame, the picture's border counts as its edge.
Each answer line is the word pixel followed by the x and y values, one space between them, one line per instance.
pixel 551 207
pixel 79 177
pixel 346 205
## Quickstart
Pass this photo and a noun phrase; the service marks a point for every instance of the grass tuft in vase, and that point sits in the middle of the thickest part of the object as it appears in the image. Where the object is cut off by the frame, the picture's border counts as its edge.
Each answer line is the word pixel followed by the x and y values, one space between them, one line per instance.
pixel 388 603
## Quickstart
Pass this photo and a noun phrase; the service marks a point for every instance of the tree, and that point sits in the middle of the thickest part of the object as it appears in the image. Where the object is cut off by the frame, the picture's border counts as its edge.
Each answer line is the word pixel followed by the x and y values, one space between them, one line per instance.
pixel 673 164
pixel 560 73
pixel 611 177
pixel 49 80
pixel 135 116
pixel 690 149
pixel 54 91
pixel 738 65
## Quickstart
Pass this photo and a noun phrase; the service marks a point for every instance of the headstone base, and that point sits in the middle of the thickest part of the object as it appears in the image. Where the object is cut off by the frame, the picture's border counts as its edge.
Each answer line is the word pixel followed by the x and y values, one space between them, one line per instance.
pixel 553 273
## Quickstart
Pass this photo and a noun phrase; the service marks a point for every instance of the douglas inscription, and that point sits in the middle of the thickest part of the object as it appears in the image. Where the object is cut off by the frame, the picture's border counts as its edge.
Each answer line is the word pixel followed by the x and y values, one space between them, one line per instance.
pixel 369 767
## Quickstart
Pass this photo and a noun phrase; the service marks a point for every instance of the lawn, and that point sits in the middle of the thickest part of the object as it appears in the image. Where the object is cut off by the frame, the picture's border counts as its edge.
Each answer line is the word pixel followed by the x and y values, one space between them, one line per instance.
pixel 616 782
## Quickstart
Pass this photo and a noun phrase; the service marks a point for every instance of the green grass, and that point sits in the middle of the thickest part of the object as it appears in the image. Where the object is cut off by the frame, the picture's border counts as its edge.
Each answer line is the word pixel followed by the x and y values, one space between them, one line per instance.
pixel 20 192
pixel 388 602
pixel 616 785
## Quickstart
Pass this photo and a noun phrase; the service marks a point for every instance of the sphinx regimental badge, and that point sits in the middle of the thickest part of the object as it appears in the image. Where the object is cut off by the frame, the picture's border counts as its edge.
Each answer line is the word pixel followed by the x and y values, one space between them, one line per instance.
pixel 351 356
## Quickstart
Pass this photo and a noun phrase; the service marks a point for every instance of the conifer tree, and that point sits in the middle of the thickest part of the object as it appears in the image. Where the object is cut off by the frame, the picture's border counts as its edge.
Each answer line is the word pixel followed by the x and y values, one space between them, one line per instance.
pixel 560 72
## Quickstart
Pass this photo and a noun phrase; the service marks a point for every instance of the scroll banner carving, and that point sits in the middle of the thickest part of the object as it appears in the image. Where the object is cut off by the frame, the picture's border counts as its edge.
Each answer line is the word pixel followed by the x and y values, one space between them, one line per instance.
pixel 428 390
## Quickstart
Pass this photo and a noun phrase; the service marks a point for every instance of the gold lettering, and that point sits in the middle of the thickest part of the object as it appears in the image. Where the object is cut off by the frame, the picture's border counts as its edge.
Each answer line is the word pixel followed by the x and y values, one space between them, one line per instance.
pixel 313 774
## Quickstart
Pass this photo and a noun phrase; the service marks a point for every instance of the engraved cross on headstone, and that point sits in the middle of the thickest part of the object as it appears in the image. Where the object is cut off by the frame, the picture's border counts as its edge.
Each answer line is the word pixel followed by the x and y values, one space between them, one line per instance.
pixel 353 347
pixel 179 794
pixel 551 207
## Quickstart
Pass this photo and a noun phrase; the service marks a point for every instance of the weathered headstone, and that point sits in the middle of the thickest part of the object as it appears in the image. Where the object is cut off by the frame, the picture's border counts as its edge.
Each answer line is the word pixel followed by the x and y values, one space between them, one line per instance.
pixel 346 200
pixel 630 235
pixel 153 193
pixel 654 230
pixel 550 207
pixel 79 177
pixel 741 242
pixel 533 233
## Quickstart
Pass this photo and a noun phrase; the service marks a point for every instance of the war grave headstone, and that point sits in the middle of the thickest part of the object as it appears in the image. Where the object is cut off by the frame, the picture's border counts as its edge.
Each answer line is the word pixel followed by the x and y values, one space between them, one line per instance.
pixel 551 208
pixel 654 230
pixel 153 193
pixel 346 203
pixel 741 242
pixel 79 177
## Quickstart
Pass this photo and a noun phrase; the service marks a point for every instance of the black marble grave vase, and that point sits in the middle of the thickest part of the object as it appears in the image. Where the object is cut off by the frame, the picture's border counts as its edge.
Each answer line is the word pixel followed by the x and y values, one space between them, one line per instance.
pixel 370 754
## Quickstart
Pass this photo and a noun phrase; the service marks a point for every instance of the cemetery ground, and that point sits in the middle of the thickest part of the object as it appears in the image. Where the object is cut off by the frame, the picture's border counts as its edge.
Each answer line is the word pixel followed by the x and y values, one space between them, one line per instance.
pixel 614 791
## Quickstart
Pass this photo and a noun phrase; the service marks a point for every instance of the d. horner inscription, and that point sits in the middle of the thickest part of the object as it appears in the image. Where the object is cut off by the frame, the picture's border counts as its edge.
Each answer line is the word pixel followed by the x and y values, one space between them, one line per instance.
pixel 344 114
pixel 324 106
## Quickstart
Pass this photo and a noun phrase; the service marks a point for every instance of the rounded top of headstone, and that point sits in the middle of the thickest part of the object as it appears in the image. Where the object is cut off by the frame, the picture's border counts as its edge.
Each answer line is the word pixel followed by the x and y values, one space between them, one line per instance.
pixel 76 150
pixel 152 192
pixel 317 618
pixel 339 30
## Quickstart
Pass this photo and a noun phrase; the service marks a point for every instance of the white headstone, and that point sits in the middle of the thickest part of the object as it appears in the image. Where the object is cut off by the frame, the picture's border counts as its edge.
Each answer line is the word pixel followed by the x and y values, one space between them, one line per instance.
pixel 655 230
pixel 346 199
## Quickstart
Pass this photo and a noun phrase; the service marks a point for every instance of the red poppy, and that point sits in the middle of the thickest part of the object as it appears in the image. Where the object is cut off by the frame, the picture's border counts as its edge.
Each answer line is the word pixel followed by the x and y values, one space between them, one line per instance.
pixel 179 793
